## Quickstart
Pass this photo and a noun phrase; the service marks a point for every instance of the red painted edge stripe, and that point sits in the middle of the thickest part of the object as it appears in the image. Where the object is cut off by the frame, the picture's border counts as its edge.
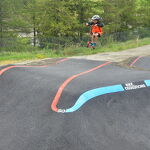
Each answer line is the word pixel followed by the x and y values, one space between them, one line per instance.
pixel 135 61
pixel 66 82
pixel 10 67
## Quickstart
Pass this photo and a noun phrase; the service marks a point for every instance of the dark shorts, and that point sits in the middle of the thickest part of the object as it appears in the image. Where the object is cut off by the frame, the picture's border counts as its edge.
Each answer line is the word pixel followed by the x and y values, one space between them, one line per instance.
pixel 98 34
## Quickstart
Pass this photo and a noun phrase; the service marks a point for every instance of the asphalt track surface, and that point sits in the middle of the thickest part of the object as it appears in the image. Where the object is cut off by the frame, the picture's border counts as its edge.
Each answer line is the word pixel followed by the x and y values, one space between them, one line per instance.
pixel 142 63
pixel 112 121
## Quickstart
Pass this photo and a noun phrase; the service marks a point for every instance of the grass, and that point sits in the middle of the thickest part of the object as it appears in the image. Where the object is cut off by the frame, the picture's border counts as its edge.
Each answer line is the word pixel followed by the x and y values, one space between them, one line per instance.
pixel 111 47
pixel 13 57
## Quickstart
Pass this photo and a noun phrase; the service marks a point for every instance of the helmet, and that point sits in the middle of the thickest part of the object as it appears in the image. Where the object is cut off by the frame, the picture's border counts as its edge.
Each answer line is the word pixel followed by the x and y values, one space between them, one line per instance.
pixel 96 17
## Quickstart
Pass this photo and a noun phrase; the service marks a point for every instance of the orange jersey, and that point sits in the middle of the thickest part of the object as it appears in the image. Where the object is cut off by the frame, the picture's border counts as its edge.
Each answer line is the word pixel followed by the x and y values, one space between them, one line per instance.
pixel 96 29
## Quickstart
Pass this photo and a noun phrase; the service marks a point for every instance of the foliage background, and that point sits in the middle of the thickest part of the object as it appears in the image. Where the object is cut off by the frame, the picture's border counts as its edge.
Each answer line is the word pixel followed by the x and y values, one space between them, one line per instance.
pixel 28 25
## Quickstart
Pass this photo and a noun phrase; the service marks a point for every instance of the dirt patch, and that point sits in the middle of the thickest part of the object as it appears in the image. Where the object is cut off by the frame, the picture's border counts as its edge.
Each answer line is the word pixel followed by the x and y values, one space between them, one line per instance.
pixel 119 56
pixel 42 62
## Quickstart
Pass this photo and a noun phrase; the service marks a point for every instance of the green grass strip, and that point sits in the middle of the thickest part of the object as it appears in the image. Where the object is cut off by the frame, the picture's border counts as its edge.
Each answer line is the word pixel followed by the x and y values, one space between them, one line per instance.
pixel 12 57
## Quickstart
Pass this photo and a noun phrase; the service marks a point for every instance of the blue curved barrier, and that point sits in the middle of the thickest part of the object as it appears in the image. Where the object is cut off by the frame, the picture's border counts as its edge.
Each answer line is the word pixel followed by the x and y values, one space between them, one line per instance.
pixel 94 93
pixel 105 90
pixel 147 82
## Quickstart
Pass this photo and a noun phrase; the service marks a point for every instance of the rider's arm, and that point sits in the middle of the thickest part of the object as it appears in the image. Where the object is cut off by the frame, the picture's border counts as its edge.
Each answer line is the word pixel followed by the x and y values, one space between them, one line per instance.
pixel 100 24
pixel 89 23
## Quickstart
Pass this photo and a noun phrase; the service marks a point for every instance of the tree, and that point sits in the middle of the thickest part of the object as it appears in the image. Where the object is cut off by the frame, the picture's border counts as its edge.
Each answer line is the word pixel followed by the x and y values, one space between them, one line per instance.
pixel 56 19
pixel 143 13
pixel 120 15
pixel 4 16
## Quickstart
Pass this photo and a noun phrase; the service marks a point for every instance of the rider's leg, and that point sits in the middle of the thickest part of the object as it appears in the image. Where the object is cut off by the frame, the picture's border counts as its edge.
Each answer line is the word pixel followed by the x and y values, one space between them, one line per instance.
pixel 95 38
pixel 92 39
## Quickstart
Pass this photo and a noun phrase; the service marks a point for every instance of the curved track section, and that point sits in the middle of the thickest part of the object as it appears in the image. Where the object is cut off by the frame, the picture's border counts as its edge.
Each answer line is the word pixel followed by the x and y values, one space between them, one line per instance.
pixel 2 71
pixel 61 88
pixel 89 95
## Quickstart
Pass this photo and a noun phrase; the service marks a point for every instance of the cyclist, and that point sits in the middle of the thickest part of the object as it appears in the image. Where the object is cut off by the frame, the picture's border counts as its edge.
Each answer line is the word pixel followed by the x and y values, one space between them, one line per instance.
pixel 96 29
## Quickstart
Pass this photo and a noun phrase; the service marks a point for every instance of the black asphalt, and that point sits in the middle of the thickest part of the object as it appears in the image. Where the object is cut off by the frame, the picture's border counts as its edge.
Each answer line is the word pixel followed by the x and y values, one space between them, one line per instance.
pixel 119 121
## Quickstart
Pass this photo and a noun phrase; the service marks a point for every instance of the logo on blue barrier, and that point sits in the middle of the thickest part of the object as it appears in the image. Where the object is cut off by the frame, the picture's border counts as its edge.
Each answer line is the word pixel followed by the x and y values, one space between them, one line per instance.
pixel 134 85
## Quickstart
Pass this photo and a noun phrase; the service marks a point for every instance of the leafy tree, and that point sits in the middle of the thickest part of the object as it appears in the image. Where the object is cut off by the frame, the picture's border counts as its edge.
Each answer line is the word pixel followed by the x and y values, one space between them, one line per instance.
pixel 56 19
pixel 143 13
pixel 30 14
pixel 119 15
